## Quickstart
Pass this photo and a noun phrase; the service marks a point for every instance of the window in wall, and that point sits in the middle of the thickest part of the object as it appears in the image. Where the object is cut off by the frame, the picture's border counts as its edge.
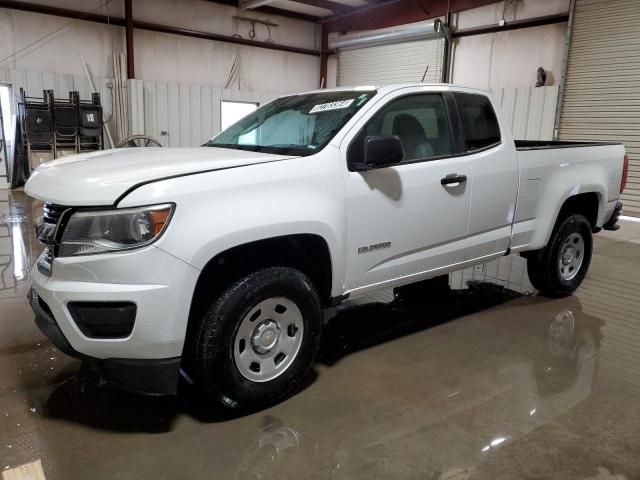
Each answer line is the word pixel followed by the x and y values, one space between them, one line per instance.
pixel 479 121
pixel 232 111
pixel 6 136
pixel 420 121
pixel 5 102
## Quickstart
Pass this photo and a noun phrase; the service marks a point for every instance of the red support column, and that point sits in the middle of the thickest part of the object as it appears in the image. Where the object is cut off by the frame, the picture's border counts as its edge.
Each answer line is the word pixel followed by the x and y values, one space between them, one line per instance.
pixel 128 11
pixel 324 55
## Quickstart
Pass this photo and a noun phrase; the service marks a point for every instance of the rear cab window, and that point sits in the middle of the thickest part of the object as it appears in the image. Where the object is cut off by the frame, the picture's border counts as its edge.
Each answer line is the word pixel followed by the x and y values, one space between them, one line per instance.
pixel 480 125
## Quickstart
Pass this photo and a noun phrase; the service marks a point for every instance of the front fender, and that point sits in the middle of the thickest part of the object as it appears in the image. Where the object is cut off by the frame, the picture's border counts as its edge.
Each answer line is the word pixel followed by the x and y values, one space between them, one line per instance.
pixel 216 211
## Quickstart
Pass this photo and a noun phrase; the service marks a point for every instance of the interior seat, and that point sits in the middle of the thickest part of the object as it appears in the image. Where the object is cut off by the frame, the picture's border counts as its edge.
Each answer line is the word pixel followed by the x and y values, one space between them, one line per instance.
pixel 414 140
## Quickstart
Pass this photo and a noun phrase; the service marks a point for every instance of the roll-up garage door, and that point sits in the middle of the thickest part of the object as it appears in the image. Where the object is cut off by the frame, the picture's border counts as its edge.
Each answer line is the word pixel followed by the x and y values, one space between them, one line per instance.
pixel 393 63
pixel 602 96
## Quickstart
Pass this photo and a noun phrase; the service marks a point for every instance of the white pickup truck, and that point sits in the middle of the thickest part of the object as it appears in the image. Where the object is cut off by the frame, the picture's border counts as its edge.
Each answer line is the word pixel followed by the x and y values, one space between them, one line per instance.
pixel 219 260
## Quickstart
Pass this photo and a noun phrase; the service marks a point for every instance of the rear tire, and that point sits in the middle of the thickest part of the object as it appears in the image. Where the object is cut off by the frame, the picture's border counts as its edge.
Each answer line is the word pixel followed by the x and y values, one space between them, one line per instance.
pixel 257 341
pixel 558 269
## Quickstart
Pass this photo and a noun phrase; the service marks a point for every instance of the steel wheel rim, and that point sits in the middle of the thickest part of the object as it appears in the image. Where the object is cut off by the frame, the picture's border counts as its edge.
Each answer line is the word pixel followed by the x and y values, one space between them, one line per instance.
pixel 561 332
pixel 571 256
pixel 268 339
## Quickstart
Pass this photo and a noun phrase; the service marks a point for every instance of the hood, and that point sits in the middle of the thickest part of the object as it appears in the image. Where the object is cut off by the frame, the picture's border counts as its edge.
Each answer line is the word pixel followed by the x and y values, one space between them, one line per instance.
pixel 99 178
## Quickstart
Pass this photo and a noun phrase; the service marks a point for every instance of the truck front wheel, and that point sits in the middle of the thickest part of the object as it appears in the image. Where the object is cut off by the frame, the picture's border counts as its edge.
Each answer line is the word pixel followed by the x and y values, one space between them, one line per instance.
pixel 259 338
pixel 559 268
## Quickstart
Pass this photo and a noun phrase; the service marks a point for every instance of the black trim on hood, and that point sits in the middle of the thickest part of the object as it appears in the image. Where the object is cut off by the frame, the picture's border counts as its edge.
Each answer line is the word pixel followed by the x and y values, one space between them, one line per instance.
pixel 178 175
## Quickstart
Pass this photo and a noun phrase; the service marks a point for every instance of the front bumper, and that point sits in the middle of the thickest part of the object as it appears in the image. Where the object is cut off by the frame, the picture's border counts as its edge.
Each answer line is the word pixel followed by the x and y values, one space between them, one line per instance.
pixel 150 377
pixel 161 286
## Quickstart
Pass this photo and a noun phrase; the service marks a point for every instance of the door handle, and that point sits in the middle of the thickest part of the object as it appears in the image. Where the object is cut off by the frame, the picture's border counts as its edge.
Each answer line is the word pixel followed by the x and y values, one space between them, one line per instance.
pixel 453 179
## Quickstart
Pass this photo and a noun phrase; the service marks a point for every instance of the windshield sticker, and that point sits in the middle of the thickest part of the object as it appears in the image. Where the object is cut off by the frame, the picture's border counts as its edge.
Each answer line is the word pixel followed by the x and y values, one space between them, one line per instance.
pixel 362 98
pixel 324 107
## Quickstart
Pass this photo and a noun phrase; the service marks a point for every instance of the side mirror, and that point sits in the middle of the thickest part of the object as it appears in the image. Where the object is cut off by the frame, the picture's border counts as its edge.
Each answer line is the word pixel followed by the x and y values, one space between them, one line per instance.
pixel 381 151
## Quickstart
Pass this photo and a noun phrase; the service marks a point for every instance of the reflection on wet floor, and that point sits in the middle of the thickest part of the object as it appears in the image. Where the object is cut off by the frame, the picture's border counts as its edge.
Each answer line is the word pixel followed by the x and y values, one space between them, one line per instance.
pixel 485 381
pixel 18 247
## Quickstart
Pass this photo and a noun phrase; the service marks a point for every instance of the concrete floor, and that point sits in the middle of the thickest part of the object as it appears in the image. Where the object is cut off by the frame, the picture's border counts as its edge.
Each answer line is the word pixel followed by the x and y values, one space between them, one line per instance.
pixel 486 383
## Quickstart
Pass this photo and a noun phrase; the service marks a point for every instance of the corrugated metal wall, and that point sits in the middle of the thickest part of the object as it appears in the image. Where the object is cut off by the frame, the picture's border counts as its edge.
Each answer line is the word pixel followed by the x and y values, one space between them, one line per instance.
pixel 530 112
pixel 602 99
pixel 190 114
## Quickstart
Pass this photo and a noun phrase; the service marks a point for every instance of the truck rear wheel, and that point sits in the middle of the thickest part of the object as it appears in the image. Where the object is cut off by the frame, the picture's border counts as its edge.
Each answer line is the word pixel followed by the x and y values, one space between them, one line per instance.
pixel 559 268
pixel 259 338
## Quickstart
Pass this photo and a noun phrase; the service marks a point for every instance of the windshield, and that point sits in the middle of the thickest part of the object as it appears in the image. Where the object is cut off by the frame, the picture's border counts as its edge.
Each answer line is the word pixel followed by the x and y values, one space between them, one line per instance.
pixel 295 125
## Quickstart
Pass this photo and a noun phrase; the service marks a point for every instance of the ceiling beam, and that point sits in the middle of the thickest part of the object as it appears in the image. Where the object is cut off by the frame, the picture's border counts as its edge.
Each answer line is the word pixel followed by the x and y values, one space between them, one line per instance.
pixel 288 14
pixel 513 25
pixel 268 10
pixel 152 27
pixel 326 4
pixel 335 7
pixel 60 12
pixel 251 4
pixel 396 12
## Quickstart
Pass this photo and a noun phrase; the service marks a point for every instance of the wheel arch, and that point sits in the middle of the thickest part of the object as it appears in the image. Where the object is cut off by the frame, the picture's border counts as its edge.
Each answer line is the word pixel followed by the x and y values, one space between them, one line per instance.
pixel 589 203
pixel 309 253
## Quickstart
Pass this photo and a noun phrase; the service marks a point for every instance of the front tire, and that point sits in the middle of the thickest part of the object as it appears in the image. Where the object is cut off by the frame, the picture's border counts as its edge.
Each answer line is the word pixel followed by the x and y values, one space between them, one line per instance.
pixel 257 341
pixel 558 269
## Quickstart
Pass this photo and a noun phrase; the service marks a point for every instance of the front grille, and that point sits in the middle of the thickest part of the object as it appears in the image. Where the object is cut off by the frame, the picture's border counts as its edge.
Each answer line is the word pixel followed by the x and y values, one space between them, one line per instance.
pixel 52 212
pixel 48 225
pixel 48 229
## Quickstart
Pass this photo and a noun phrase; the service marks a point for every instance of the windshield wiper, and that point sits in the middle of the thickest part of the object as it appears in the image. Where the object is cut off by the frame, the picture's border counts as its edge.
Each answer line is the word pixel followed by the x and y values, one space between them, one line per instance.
pixel 280 149
pixel 234 146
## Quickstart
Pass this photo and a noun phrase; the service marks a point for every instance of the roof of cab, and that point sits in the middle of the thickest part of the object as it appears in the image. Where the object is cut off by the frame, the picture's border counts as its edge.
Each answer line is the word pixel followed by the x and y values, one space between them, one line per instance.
pixel 396 86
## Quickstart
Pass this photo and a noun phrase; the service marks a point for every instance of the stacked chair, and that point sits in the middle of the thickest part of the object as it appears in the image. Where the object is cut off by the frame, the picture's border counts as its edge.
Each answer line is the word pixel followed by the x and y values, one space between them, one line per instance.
pixel 37 129
pixel 65 126
pixel 52 128
pixel 90 119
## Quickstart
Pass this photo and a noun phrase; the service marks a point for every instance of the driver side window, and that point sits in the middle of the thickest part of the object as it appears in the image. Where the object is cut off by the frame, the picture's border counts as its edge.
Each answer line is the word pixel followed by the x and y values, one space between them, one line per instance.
pixel 420 121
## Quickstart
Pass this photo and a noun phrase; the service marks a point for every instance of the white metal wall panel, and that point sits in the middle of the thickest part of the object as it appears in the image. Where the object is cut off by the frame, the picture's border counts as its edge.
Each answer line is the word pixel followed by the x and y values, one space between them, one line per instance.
pixel 135 103
pixel 195 116
pixel 397 62
pixel 206 114
pixel 173 112
pixel 602 95
pixel 190 114
pixel 528 111
pixel 150 113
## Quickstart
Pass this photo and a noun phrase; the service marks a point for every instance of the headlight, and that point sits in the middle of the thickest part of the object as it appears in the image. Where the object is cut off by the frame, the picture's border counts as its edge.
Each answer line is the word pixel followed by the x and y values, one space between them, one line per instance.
pixel 100 231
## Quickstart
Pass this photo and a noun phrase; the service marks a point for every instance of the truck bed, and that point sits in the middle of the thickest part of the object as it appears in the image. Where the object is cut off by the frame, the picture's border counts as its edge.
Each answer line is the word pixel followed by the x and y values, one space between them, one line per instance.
pixel 551 144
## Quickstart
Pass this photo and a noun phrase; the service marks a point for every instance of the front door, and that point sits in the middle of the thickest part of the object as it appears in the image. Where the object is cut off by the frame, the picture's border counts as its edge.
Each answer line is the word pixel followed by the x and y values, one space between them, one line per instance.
pixel 411 218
